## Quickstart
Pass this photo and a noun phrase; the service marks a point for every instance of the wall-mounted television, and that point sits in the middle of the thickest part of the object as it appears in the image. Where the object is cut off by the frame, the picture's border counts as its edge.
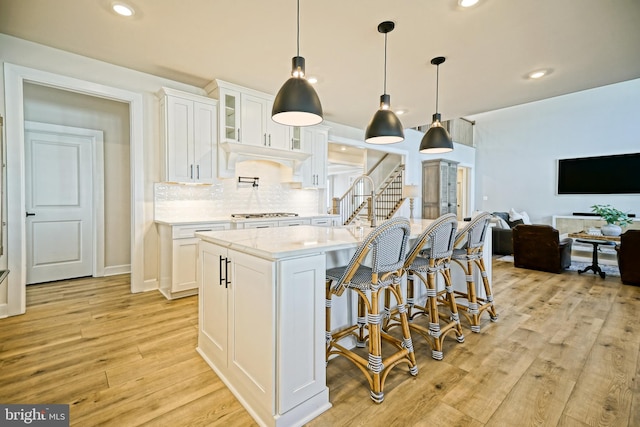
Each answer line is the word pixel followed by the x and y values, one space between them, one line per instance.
pixel 619 174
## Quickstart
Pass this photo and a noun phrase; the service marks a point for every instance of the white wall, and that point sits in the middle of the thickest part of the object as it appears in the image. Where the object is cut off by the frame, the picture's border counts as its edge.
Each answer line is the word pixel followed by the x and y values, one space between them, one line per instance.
pixel 518 149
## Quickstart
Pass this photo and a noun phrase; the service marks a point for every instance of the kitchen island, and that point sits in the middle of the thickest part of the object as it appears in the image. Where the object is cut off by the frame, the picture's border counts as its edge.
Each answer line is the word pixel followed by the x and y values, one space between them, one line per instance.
pixel 262 310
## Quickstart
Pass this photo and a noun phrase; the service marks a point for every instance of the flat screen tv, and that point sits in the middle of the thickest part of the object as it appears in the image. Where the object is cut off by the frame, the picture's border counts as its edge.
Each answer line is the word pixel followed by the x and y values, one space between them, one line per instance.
pixel 619 174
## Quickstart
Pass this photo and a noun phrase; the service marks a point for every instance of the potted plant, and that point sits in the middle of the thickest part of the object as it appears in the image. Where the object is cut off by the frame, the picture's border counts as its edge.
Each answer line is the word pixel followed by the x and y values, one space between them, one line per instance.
pixel 614 218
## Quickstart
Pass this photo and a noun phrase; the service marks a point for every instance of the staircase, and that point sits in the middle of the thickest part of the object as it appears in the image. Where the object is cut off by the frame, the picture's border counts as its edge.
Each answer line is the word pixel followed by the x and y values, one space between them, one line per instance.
pixel 381 202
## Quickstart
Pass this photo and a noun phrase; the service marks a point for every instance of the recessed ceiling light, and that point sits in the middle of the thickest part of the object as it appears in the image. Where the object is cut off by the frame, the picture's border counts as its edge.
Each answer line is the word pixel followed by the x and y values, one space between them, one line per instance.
pixel 122 9
pixel 401 112
pixel 467 3
pixel 343 148
pixel 538 74
pixel 312 80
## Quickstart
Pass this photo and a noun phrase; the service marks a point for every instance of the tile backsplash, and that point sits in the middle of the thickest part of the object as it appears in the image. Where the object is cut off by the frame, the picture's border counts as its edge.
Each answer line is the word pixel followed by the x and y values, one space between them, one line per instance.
pixel 187 202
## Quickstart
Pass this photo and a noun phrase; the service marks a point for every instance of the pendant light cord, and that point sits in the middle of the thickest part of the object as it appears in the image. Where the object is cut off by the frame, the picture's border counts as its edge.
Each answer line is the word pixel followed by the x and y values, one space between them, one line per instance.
pixel 384 91
pixel 298 31
pixel 437 85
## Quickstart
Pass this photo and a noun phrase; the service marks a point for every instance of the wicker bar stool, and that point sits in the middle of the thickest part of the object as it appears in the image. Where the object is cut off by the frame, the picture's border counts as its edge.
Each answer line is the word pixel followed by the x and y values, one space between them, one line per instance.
pixel 431 255
pixel 468 253
pixel 387 245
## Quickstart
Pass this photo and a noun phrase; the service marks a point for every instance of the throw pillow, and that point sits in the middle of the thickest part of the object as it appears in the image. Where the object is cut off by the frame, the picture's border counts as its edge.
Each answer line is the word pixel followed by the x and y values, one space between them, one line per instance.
pixel 500 223
pixel 514 216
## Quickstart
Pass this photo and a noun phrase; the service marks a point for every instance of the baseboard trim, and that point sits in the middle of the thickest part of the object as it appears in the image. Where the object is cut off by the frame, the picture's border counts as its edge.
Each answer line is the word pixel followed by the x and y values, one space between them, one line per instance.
pixel 4 311
pixel 117 269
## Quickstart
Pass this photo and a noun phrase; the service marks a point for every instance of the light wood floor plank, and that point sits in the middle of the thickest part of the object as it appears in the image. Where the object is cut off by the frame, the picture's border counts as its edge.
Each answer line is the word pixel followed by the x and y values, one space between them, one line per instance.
pixel 565 352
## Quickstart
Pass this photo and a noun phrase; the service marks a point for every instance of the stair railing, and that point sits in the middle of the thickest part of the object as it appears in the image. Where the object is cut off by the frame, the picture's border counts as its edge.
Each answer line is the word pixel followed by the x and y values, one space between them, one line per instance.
pixel 354 200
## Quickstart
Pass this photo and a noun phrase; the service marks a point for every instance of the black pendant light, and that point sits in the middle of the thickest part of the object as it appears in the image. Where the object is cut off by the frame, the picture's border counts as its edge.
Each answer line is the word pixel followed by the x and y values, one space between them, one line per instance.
pixel 437 139
pixel 384 127
pixel 297 103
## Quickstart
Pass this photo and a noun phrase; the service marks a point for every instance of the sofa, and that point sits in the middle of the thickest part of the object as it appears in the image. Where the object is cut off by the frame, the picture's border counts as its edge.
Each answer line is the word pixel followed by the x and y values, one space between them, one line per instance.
pixel 501 232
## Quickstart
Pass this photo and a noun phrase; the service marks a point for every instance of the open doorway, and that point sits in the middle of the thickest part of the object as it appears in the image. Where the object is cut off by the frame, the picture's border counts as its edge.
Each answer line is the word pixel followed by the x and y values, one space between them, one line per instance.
pixel 61 116
pixel 462 187
pixel 16 79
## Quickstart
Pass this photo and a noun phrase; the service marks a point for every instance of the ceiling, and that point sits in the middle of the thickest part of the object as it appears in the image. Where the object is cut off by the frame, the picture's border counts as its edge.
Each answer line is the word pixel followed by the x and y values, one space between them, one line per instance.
pixel 489 48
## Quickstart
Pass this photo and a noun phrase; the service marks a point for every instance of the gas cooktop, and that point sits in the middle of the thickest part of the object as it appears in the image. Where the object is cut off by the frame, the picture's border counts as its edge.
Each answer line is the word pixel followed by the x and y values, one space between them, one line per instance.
pixel 263 215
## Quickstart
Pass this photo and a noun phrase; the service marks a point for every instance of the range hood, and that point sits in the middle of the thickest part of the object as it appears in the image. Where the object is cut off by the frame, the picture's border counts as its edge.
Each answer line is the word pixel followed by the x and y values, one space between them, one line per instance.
pixel 235 152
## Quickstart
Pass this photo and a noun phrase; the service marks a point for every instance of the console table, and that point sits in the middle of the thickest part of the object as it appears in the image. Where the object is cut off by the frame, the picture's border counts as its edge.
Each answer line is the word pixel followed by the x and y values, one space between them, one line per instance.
pixel 595 240
pixel 577 223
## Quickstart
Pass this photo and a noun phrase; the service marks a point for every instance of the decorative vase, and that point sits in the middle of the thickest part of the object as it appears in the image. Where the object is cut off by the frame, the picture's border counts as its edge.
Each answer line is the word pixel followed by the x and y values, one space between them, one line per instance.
pixel 611 230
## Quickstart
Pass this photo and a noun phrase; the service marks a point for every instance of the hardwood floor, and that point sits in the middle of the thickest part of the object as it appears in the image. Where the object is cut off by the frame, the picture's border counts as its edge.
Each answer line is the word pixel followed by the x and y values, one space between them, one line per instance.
pixel 565 352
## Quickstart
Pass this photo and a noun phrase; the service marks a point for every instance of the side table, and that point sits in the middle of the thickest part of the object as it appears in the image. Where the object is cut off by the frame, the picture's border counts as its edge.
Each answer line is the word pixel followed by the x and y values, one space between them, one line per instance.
pixel 594 262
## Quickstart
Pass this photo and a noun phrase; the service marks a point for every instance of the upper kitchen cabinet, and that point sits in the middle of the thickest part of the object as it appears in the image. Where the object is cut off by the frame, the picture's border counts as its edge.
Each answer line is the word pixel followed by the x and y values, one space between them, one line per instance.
pixel 247 130
pixel 246 115
pixel 315 141
pixel 189 136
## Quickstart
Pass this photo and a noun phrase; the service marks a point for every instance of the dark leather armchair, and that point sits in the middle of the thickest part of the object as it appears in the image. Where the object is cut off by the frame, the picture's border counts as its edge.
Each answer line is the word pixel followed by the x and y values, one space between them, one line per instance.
pixel 629 257
pixel 538 247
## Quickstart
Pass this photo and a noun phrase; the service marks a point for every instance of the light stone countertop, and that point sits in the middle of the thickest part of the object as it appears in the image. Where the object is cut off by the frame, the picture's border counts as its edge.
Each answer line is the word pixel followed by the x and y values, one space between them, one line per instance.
pixel 229 219
pixel 273 244
pixel 194 221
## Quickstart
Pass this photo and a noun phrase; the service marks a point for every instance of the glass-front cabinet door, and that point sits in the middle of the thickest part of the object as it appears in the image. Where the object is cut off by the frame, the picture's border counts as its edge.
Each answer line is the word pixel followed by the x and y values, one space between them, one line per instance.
pixel 296 140
pixel 231 108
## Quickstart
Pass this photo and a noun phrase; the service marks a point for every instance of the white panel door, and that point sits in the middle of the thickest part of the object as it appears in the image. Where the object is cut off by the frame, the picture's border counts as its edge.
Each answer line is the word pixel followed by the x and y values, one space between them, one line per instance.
pixel 59 223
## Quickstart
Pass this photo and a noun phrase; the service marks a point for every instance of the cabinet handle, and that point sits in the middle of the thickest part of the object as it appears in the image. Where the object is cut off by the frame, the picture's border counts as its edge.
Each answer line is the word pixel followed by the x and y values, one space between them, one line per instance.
pixel 292 143
pixel 227 282
pixel 265 139
pixel 198 172
pixel 239 139
pixel 269 140
pixel 191 173
pixel 222 279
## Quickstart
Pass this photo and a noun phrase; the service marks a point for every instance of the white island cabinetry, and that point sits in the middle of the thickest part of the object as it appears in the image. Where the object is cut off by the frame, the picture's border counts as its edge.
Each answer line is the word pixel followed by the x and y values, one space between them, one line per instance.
pixel 262 332
pixel 262 313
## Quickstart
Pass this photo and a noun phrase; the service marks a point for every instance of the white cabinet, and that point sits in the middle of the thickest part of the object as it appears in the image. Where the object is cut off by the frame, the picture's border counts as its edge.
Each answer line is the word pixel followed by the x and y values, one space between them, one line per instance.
pixel 294 222
pixel 295 138
pixel 237 300
pixel 257 224
pixel 189 136
pixel 278 136
pixel 322 222
pixel 247 130
pixel 246 115
pixel 253 120
pixel 314 170
pixel 177 257
pixel 259 326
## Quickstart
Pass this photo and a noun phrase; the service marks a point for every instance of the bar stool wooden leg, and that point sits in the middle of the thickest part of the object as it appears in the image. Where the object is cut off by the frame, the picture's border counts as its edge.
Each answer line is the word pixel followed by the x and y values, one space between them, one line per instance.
pixel 453 306
pixel 327 320
pixel 488 303
pixel 472 299
pixel 362 322
pixel 375 352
